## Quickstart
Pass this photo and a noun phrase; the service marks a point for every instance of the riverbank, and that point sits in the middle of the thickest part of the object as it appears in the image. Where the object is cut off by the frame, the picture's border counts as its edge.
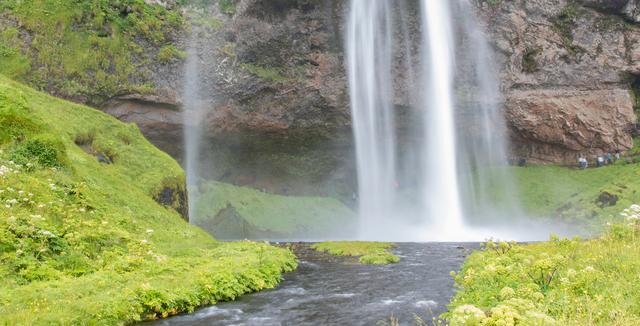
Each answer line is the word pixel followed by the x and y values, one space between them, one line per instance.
pixel 559 282
pixel 91 230
pixel 337 290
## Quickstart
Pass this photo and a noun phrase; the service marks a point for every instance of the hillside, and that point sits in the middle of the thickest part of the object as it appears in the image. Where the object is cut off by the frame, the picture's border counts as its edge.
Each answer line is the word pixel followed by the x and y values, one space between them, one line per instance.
pixel 82 240
pixel 244 213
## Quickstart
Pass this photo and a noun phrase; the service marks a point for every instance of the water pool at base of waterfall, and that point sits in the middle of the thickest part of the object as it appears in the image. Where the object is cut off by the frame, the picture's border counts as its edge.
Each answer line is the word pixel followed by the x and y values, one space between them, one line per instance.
pixel 329 290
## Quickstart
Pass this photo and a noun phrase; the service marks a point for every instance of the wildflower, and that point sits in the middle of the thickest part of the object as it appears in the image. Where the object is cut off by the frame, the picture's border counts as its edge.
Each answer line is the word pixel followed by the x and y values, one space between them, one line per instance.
pixel 589 269
pixel 507 293
pixel 149 231
pixel 12 201
pixel 81 209
pixel 47 233
pixel 144 241
pixel 41 206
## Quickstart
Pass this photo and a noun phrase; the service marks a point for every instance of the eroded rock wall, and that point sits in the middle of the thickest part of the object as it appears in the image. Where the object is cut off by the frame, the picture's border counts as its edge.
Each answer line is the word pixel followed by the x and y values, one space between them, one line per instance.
pixel 276 76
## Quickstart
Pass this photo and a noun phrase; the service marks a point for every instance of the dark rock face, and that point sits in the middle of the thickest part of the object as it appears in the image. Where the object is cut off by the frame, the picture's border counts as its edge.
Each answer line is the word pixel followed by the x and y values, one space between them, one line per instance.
pixel 176 198
pixel 278 88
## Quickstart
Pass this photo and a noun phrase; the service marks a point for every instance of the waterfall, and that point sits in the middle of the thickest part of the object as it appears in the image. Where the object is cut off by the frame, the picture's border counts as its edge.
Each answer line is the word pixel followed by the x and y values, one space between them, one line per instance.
pixel 369 50
pixel 441 194
pixel 455 155
pixel 193 112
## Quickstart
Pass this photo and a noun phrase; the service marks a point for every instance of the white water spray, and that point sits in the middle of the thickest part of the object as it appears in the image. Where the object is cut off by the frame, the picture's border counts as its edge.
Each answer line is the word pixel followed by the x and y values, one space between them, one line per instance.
pixel 454 141
pixel 369 64
pixel 192 115
pixel 441 194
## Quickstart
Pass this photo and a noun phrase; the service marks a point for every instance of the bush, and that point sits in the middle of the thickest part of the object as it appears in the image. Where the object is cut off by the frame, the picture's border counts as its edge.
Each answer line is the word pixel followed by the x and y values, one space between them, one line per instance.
pixel 46 152
pixel 559 282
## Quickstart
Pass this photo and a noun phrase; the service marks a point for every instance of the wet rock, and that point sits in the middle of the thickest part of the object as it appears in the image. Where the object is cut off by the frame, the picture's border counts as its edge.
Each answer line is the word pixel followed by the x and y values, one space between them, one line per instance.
pixel 176 198
pixel 606 199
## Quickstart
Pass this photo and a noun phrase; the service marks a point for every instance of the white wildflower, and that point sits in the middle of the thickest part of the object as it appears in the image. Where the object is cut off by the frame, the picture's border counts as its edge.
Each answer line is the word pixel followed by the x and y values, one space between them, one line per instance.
pixel 47 233
pixel 589 269
pixel 149 231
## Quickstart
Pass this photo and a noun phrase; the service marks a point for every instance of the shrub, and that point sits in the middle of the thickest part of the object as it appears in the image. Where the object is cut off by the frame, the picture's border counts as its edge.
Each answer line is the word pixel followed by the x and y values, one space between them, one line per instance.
pixel 47 152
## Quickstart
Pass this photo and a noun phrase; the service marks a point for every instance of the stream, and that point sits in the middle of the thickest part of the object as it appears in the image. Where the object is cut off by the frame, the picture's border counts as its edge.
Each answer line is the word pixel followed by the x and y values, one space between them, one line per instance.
pixel 328 290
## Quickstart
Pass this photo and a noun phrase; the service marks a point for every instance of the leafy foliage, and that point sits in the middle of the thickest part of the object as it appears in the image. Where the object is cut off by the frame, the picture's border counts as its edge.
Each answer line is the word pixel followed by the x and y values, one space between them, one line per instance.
pixel 560 282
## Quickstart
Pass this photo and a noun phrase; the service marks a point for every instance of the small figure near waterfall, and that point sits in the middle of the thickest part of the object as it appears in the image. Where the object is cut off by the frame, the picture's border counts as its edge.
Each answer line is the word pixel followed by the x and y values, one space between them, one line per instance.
pixel 599 161
pixel 522 162
pixel 609 158
pixel 583 163
pixel 617 154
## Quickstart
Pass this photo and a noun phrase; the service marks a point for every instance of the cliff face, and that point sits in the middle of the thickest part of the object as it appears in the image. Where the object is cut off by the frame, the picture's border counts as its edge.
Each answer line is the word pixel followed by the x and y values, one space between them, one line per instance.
pixel 567 70
pixel 278 96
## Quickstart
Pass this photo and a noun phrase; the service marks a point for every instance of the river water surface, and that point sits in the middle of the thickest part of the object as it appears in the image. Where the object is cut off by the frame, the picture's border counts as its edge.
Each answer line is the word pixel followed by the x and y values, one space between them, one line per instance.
pixel 327 290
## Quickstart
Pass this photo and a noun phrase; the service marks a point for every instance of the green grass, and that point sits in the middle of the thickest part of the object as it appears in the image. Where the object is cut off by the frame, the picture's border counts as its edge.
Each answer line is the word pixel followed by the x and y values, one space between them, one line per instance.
pixel 560 282
pixel 273 74
pixel 375 253
pixel 570 194
pixel 83 242
pixel 289 215
pixel 85 50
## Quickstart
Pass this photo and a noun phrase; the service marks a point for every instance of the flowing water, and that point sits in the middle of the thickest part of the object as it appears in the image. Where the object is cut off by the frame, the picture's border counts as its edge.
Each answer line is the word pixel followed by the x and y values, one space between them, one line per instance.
pixel 369 50
pixel 193 113
pixel 440 184
pixel 455 158
pixel 327 290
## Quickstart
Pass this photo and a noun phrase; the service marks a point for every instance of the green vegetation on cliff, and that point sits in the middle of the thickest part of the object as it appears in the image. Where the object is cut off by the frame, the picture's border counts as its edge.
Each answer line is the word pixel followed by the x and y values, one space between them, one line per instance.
pixel 560 282
pixel 85 50
pixel 592 196
pixel 82 240
pixel 248 213
pixel 374 253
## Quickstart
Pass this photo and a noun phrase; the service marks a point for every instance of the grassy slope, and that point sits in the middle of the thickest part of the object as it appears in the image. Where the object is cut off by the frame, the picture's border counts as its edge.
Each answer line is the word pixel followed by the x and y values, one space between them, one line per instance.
pixel 376 253
pixel 568 194
pixel 561 282
pixel 84 243
pixel 281 214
